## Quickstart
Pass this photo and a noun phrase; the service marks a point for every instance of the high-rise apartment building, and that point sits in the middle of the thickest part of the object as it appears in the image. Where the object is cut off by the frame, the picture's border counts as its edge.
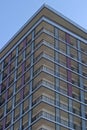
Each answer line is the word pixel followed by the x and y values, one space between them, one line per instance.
pixel 43 75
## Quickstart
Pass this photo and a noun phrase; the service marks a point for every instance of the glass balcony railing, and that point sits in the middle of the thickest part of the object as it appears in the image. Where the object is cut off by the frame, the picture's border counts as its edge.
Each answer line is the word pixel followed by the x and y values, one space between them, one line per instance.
pixel 63 91
pixel 64 106
pixel 44 98
pixel 77 127
pixel 51 117
pixel 64 122
pixel 2 100
pixel 1 115
pixel 44 83
pixel 50 71
pixel 3 88
pixel 50 101
pixel 7 124
pixel 76 96
pixel 43 54
pixel 76 111
pixel 49 85
pixel 48 32
pixel 44 68
pixel 43 114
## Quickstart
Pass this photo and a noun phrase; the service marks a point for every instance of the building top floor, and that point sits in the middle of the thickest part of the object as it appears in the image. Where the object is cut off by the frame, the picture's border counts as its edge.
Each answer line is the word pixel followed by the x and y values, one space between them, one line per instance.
pixel 50 15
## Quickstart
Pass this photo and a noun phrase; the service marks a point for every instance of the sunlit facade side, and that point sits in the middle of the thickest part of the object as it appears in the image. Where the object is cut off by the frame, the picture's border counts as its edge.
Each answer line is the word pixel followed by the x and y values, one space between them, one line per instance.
pixel 43 75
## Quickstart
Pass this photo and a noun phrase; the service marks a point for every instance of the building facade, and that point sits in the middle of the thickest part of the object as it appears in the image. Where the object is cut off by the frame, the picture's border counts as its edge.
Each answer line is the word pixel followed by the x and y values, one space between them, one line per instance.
pixel 43 75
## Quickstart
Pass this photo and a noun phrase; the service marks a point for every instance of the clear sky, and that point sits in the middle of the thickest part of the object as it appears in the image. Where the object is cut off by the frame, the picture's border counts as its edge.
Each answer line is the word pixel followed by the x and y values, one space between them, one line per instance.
pixel 15 13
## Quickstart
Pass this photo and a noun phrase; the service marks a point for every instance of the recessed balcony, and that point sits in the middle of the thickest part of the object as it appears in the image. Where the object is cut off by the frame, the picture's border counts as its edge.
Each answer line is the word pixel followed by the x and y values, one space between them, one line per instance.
pixel 2 100
pixel 3 88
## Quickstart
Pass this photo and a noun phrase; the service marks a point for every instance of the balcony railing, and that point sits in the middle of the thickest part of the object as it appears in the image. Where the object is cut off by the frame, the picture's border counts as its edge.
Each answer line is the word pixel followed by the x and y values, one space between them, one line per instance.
pixel 49 85
pixel 51 71
pixel 44 98
pixel 2 100
pixel 76 111
pixel 1 115
pixel 44 114
pixel 43 54
pixel 76 96
pixel 44 68
pixel 3 88
pixel 51 101
pixel 51 117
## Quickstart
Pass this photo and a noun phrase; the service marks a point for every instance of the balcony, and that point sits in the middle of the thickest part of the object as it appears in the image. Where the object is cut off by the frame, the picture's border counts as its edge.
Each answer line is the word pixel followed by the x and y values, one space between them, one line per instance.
pixel 45 69
pixel 10 94
pixel 24 125
pixel 64 122
pixel 76 111
pixel 2 100
pixel 43 55
pixel 74 69
pixel 64 106
pixel 50 101
pixel 77 127
pixel 84 50
pixel 3 88
pixel 50 117
pixel 11 81
pixel 50 71
pixel 48 32
pixel 84 74
pixel 62 62
pixel 45 99
pixel 1 115
pixel 5 64
pixel 49 86
pixel 43 114
pixel 25 109
pixel 75 82
pixel 76 96
pixel 8 109
pixel 43 83
pixel 4 76
pixel 63 91
pixel 7 124
pixel 84 62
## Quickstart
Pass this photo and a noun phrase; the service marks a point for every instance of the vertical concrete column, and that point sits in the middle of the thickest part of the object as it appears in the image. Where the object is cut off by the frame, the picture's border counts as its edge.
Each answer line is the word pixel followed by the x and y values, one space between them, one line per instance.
pixel 81 86
pixel 13 100
pixel 69 78
pixel 31 79
pixel 6 94
pixel 56 68
pixel 22 90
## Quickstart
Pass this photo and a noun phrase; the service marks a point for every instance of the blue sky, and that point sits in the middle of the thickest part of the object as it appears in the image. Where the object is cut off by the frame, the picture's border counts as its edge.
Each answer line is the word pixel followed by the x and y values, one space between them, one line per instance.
pixel 15 13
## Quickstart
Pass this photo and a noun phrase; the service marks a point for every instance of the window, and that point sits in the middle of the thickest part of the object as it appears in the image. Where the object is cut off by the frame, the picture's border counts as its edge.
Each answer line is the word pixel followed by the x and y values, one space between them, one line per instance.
pixel 25 121
pixel 26 105
pixel 17 125
pixel 26 90
pixel 8 120
pixel 9 106
pixel 17 112
pixel 17 98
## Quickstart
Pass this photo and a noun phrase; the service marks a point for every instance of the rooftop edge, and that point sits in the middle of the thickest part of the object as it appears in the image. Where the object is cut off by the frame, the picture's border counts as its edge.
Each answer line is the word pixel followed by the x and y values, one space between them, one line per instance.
pixel 54 11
